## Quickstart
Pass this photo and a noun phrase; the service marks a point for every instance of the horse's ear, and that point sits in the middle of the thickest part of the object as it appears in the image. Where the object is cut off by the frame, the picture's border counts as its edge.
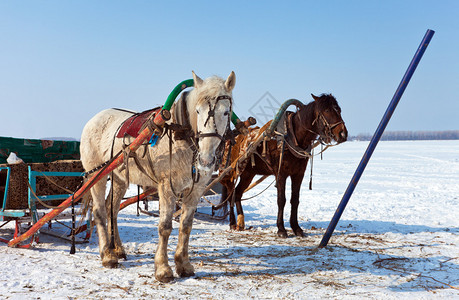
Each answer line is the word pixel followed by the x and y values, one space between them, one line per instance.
pixel 197 80
pixel 315 97
pixel 230 82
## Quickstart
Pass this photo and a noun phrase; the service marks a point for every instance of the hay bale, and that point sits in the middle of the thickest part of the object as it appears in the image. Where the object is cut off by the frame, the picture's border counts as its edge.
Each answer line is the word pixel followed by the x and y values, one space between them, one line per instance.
pixel 18 187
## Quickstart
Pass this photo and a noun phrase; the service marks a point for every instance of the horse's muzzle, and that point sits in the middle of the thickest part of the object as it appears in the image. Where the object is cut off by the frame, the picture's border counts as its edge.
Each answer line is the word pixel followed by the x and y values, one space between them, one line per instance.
pixel 340 133
pixel 204 164
pixel 342 136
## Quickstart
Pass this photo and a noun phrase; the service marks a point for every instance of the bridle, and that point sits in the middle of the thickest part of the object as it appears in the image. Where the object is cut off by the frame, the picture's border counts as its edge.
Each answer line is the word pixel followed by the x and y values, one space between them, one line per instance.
pixel 211 114
pixel 184 129
pixel 328 128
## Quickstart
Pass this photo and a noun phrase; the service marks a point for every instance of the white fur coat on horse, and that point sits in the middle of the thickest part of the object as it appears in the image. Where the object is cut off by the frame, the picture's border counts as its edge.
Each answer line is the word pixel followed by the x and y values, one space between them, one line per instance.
pixel 164 166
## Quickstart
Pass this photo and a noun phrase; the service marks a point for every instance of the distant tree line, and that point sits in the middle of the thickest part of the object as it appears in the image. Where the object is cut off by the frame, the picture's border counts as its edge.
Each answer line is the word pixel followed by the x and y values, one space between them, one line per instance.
pixel 411 135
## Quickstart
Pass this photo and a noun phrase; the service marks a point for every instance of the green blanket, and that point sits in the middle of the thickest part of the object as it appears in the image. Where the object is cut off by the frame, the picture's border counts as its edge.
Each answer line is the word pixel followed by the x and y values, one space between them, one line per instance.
pixel 31 150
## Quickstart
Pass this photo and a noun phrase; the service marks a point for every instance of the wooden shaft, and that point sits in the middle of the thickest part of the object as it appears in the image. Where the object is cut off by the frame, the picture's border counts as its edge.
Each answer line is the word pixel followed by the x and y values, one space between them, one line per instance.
pixel 250 150
pixel 134 199
pixel 145 134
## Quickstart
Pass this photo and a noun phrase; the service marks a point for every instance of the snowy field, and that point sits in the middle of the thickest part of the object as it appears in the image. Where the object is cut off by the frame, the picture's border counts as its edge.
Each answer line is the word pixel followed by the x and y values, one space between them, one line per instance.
pixel 397 239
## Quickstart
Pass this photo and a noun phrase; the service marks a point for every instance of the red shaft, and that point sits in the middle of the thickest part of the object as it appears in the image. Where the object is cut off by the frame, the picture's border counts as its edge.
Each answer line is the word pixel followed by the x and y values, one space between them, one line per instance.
pixel 146 133
pixel 134 199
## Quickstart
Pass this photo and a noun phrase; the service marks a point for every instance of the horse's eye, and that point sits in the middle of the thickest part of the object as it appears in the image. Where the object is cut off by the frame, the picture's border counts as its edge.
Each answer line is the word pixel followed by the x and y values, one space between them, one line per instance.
pixel 226 113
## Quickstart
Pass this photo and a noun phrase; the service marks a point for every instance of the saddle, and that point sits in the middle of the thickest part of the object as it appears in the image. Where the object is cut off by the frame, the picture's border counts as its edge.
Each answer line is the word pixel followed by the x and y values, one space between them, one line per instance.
pixel 134 125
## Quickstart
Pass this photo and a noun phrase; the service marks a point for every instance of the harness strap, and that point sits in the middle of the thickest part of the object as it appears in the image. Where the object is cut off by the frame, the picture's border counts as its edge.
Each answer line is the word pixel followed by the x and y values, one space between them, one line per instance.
pixel 127 155
pixel 297 151
pixel 327 127
pixel 209 134
pixel 289 125
pixel 170 163
pixel 182 128
pixel 310 176
pixel 211 114
pixel 150 163
pixel 142 169
pixel 151 125
pixel 281 157
pixel 169 134
pixel 268 164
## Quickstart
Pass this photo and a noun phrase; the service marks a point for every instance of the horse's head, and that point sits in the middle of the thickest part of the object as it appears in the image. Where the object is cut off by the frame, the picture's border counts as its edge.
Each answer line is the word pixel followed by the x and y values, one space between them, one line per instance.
pixel 212 106
pixel 330 125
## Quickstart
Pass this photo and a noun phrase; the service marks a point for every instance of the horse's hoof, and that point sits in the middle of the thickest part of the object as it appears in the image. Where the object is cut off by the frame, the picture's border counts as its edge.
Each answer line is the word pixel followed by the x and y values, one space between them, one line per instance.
pixel 183 269
pixel 111 264
pixel 186 273
pixel 299 233
pixel 282 234
pixel 233 227
pixel 239 228
pixel 164 276
pixel 120 253
pixel 109 259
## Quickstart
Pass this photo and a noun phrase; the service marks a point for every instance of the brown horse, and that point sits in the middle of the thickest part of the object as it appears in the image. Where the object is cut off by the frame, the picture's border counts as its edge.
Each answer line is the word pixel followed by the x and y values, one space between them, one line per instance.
pixel 318 121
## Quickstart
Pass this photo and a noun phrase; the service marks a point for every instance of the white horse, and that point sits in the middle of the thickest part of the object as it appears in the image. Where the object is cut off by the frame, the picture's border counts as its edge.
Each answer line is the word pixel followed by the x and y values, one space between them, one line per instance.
pixel 209 107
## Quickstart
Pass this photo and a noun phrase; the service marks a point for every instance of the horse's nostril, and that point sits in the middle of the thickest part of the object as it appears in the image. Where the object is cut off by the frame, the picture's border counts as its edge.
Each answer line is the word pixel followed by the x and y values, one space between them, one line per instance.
pixel 206 162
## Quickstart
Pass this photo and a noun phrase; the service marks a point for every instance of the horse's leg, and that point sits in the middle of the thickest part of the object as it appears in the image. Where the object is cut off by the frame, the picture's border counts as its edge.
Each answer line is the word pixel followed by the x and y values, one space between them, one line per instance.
pixel 244 182
pixel 119 188
pixel 227 195
pixel 163 271
pixel 295 201
pixel 223 204
pixel 182 260
pixel 281 179
pixel 109 259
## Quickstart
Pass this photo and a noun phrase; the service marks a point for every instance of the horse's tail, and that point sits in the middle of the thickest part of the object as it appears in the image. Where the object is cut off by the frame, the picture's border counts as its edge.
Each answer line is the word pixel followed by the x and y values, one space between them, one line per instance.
pixel 86 206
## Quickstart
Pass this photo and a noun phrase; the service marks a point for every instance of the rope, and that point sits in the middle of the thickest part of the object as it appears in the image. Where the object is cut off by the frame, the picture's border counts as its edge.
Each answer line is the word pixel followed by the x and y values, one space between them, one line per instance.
pixel 72 248
pixel 221 204
pixel 38 199
pixel 53 182
pixel 310 175
pixel 259 192
pixel 260 180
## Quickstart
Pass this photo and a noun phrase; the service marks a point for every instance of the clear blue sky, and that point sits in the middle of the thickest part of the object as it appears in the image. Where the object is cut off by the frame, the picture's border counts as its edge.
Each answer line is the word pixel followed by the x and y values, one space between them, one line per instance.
pixel 61 62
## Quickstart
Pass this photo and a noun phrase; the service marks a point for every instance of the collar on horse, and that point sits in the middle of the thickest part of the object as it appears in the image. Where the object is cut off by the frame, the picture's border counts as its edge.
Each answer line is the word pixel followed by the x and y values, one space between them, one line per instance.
pixel 291 141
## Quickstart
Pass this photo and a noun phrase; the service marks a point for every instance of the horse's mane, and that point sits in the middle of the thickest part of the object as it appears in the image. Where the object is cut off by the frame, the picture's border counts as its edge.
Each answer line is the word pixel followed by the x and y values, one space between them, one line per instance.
pixel 211 87
pixel 325 101
pixel 308 110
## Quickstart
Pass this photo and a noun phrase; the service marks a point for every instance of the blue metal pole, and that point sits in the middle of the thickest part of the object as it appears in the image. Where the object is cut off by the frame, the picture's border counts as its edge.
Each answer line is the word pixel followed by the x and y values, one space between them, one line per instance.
pixel 377 136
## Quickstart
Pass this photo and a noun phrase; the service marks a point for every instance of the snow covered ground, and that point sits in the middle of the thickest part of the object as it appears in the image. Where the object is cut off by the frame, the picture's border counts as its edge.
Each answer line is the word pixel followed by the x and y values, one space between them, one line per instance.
pixel 397 239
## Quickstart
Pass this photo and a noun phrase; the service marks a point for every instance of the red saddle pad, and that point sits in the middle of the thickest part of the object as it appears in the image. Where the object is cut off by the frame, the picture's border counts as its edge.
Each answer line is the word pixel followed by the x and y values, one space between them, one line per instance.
pixel 133 125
